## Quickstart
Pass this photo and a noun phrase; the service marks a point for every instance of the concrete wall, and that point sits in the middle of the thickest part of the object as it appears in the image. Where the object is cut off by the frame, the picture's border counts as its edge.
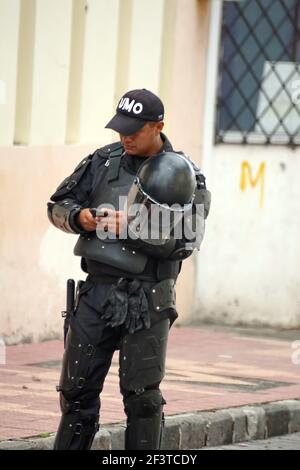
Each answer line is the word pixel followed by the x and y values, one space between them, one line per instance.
pixel 64 67
pixel 9 28
pixel 36 259
pixel 184 85
pixel 248 268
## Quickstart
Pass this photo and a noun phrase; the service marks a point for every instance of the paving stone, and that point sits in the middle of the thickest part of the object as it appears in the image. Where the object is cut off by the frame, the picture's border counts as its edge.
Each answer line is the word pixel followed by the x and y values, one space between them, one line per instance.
pixel 256 422
pixel 239 419
pixel 219 428
pixel 277 419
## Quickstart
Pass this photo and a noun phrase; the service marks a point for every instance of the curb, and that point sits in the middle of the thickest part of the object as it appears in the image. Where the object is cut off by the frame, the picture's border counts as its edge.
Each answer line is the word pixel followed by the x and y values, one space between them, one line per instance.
pixel 195 430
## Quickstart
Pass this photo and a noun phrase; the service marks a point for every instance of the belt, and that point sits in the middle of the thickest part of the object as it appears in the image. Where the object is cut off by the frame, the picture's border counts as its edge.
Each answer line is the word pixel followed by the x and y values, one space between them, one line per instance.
pixel 106 279
pixel 162 294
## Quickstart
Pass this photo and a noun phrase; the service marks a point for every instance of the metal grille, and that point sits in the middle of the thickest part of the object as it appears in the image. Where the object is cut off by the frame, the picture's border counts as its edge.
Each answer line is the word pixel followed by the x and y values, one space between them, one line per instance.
pixel 259 73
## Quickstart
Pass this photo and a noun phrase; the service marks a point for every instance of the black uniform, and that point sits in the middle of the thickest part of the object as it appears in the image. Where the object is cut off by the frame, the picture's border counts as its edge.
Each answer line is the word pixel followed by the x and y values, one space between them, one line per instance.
pixel 127 302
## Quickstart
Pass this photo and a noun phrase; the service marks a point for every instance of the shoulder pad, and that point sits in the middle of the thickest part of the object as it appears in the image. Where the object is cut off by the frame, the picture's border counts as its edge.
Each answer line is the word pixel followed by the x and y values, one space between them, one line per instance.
pixel 203 197
pixel 111 150
pixel 200 178
pixel 71 181
pixel 83 162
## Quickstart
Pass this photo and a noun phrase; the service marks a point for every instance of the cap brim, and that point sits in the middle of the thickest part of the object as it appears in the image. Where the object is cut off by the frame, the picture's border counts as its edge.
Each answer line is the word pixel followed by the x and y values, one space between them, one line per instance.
pixel 125 125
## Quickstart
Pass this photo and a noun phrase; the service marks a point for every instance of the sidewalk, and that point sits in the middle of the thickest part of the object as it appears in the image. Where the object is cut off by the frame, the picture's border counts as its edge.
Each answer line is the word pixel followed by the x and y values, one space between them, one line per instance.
pixel 208 369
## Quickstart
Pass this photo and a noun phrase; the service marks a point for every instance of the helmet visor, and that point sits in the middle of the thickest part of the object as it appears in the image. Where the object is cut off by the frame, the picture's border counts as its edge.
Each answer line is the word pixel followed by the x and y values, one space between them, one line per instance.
pixel 150 221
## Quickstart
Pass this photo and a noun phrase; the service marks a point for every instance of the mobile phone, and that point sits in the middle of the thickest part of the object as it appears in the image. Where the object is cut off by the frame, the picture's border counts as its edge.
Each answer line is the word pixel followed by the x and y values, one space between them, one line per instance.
pixel 97 213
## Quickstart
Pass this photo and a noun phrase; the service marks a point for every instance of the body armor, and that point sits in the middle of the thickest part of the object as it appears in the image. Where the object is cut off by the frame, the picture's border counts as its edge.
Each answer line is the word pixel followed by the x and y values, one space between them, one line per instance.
pixel 116 182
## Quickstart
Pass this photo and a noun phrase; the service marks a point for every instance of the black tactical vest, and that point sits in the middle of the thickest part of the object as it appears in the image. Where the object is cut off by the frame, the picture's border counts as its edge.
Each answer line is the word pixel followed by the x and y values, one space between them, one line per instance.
pixel 115 182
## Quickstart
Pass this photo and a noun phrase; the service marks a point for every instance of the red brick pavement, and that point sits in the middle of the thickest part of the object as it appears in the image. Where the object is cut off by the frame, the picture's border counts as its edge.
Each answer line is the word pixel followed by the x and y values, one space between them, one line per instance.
pixel 206 369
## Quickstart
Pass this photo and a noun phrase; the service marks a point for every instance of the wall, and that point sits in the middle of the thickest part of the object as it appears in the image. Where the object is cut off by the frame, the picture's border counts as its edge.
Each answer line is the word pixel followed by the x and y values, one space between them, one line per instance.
pixel 249 268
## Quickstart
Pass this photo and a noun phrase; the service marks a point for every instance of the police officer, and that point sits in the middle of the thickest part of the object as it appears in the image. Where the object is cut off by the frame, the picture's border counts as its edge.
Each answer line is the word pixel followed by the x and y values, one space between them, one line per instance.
pixel 127 301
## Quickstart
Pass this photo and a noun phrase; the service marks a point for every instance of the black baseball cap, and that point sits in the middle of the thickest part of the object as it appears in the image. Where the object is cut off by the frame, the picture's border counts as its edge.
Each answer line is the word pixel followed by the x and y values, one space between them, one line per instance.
pixel 134 109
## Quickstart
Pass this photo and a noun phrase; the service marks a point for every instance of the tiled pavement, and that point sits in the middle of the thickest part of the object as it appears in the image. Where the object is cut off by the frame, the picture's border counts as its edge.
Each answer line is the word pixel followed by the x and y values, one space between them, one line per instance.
pixel 207 369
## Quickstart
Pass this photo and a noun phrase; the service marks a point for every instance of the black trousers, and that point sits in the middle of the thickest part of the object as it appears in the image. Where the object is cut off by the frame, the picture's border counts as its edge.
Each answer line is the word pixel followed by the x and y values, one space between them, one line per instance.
pixel 87 358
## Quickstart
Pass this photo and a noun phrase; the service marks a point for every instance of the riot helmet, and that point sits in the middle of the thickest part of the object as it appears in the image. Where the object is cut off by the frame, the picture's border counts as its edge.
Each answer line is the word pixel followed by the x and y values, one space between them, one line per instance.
pixel 162 192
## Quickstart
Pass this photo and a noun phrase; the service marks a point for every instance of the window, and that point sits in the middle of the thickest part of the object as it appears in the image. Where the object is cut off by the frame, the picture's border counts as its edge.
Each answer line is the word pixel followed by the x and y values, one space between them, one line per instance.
pixel 259 73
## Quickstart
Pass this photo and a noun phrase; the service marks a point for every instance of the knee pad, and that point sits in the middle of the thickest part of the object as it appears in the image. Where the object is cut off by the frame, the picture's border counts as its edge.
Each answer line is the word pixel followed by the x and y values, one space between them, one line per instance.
pixel 145 405
pixel 84 408
pixel 144 420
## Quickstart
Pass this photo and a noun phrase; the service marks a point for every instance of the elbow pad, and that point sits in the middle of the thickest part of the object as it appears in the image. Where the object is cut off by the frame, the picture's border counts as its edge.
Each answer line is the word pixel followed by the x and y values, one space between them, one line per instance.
pixel 63 216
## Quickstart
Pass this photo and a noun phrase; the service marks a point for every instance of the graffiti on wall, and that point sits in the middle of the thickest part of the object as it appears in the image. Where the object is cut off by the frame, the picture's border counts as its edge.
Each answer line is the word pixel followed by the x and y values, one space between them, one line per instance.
pixel 258 180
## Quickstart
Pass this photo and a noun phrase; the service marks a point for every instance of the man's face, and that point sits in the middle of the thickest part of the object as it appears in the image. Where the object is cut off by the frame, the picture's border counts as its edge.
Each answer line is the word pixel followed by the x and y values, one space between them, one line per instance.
pixel 143 142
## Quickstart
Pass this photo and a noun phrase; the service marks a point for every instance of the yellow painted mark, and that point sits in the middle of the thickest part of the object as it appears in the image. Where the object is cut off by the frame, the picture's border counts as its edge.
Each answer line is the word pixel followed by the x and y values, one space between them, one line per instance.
pixel 246 174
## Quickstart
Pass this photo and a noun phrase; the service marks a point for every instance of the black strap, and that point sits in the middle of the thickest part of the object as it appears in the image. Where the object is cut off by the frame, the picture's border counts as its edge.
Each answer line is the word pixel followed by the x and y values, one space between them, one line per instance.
pixel 103 279
pixel 106 279
pixel 114 167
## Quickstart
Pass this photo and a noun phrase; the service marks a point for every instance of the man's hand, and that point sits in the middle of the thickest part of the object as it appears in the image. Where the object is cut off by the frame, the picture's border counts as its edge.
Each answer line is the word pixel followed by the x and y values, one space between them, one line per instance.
pixel 87 221
pixel 113 221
